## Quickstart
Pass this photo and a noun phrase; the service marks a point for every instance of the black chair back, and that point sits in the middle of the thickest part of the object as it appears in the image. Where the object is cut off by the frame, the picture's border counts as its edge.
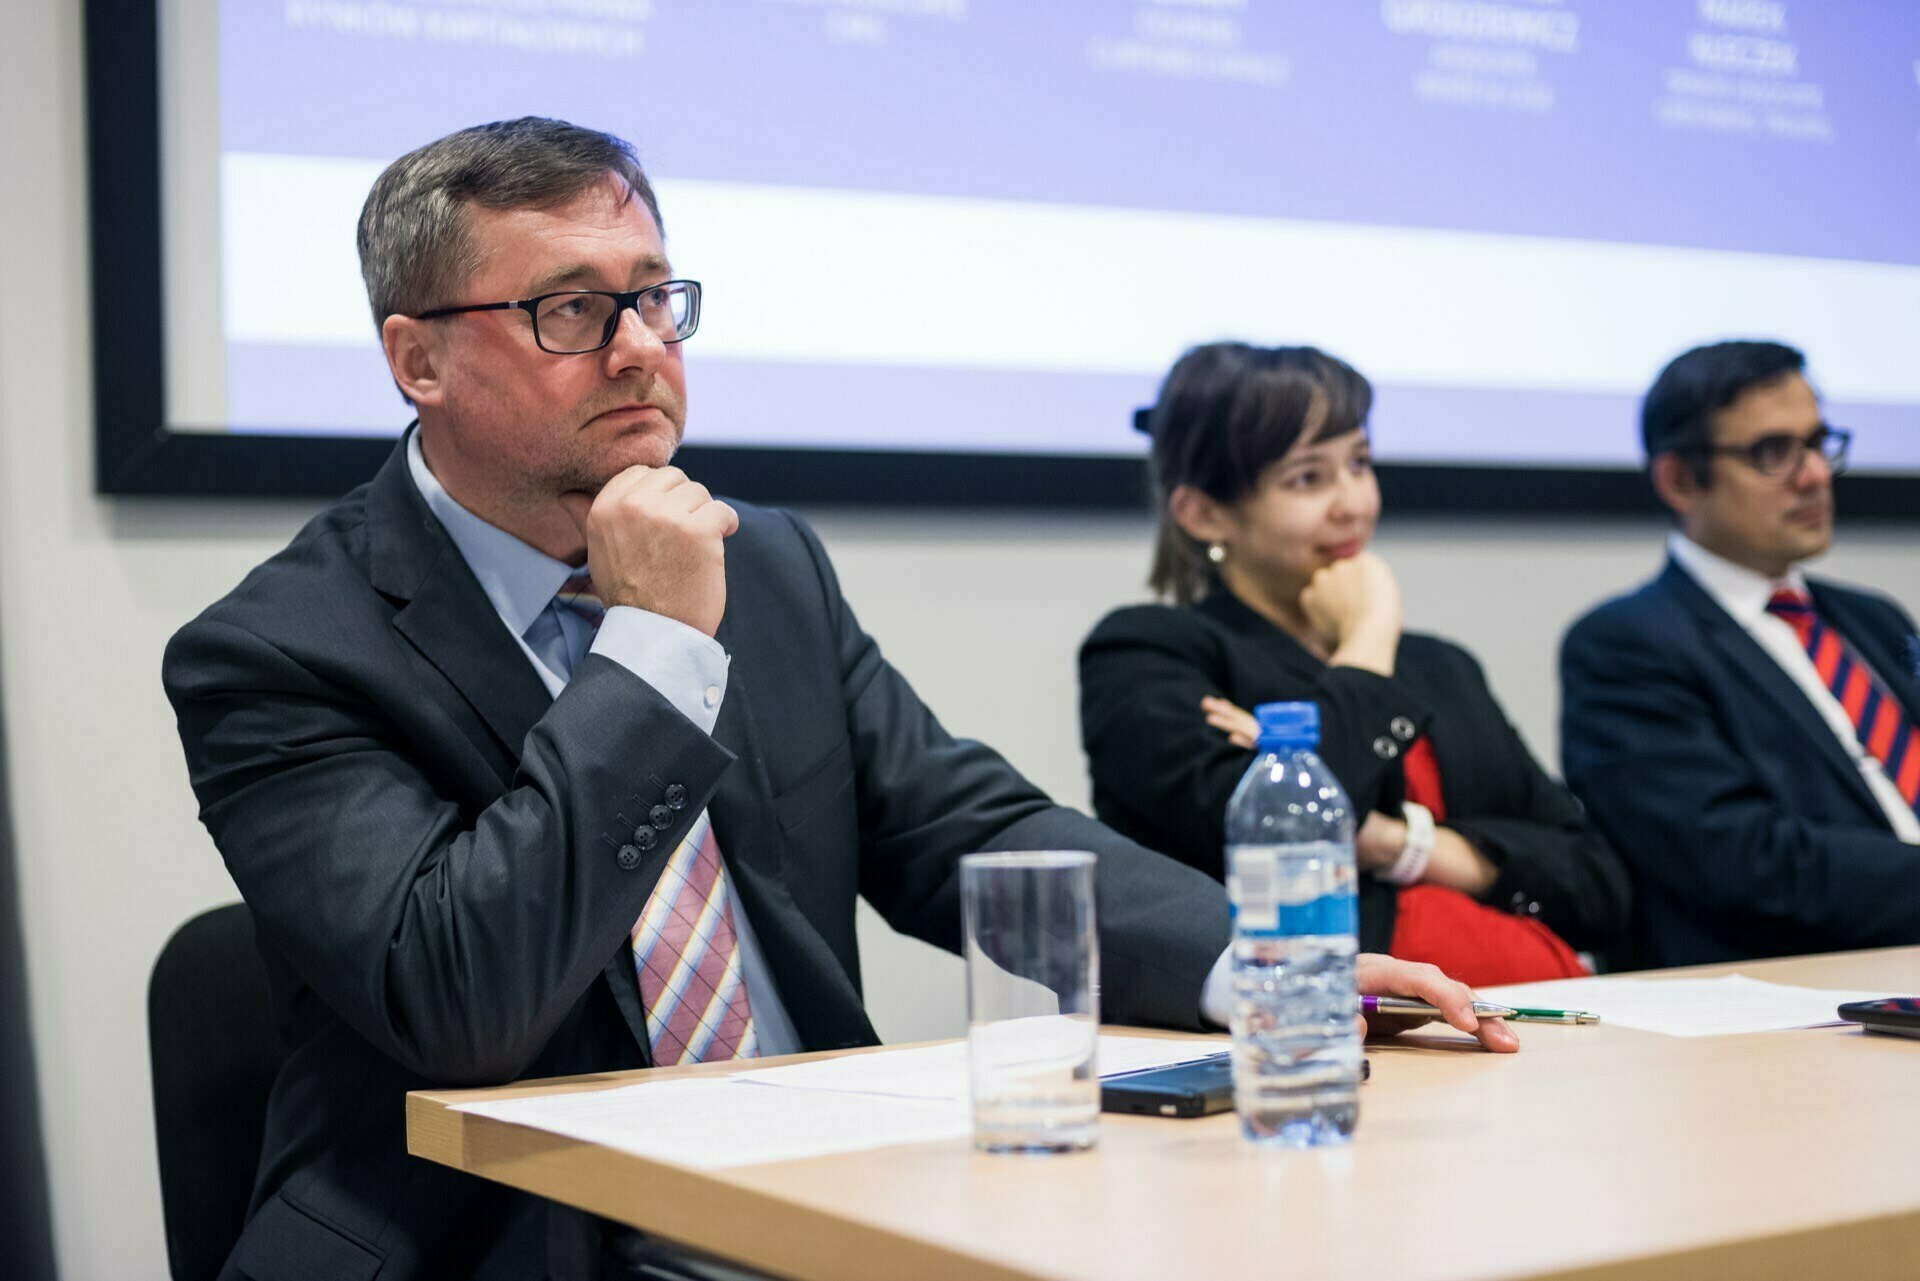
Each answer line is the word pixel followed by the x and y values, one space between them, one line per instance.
pixel 215 1054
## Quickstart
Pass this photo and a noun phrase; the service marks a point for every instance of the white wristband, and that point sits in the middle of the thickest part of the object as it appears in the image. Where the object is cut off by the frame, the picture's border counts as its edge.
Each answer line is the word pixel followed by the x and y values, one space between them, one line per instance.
pixel 1411 865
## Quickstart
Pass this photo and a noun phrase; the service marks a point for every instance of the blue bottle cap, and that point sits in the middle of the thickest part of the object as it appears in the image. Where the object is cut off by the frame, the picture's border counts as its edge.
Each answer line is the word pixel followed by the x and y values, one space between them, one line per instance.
pixel 1288 724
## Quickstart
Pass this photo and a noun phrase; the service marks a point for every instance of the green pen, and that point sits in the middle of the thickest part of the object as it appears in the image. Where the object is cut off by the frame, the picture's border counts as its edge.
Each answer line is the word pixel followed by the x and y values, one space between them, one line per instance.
pixel 1522 1014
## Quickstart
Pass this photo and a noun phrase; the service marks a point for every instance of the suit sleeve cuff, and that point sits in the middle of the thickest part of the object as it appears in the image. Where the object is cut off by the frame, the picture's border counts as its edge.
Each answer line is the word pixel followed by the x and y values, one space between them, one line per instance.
pixel 688 668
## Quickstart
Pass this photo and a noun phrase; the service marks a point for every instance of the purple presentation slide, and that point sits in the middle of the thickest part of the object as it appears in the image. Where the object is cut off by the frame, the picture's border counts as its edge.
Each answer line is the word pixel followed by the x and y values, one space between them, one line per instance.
pixel 1771 127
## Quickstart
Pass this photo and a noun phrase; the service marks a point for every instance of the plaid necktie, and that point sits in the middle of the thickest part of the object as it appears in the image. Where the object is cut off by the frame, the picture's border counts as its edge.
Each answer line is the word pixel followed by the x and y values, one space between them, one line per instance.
pixel 688 960
pixel 686 955
pixel 1878 719
pixel 578 596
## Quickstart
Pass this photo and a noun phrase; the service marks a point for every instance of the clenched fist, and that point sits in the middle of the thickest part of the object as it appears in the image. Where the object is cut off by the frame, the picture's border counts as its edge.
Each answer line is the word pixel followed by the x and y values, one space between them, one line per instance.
pixel 656 541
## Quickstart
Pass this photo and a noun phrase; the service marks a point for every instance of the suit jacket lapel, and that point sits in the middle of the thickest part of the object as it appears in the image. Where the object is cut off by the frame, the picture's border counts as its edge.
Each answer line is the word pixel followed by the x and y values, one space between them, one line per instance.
pixel 447 616
pixel 1745 657
pixel 742 806
pixel 821 998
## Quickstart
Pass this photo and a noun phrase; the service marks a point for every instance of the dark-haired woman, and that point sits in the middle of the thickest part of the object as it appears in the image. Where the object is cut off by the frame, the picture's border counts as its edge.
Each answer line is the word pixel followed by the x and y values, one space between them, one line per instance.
pixel 1472 858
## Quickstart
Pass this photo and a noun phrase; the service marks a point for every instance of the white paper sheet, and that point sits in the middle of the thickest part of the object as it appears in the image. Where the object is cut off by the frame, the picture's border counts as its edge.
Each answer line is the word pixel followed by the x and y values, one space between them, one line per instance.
pixel 1687 1007
pixel 940 1071
pixel 715 1123
pixel 808 1109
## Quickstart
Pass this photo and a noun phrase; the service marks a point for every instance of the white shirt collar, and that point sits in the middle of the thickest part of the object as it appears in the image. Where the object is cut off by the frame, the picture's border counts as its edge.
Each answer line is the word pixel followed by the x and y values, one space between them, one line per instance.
pixel 1739 590
pixel 518 578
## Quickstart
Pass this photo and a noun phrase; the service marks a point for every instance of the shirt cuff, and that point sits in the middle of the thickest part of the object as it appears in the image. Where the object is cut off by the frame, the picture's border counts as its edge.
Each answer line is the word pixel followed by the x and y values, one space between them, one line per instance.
pixel 1216 996
pixel 688 668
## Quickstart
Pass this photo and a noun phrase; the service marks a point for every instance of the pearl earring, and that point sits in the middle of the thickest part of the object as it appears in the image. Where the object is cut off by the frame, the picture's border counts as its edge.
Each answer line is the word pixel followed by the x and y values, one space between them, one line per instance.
pixel 1217 552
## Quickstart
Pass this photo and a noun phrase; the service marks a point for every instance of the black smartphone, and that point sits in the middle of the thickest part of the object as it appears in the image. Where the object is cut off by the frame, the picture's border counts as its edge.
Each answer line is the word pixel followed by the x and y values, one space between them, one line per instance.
pixel 1200 1088
pixel 1899 1015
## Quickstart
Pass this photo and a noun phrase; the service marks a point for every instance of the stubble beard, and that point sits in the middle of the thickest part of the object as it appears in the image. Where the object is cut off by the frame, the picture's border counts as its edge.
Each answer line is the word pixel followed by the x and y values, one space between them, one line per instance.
pixel 588 465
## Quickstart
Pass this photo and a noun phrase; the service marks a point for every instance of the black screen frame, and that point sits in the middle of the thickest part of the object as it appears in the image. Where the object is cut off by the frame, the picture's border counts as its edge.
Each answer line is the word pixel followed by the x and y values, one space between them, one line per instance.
pixel 138 453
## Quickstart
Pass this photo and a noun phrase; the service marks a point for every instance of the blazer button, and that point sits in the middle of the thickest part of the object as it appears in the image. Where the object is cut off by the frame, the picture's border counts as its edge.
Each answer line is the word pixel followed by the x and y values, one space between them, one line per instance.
pixel 644 837
pixel 1385 748
pixel 661 816
pixel 676 796
pixel 1402 729
pixel 1524 906
pixel 629 857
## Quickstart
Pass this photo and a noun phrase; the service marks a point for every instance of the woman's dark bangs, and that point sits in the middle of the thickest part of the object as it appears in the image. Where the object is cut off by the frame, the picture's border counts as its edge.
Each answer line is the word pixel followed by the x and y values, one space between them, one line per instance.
pixel 1347 395
pixel 1267 418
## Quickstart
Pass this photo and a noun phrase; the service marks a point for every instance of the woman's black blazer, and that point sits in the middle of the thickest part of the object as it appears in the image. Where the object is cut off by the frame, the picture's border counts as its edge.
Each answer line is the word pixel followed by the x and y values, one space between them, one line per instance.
pixel 1163 776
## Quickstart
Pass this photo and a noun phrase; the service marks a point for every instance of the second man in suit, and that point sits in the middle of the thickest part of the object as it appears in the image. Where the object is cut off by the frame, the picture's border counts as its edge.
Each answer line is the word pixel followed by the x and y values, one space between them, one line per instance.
pixel 1744 734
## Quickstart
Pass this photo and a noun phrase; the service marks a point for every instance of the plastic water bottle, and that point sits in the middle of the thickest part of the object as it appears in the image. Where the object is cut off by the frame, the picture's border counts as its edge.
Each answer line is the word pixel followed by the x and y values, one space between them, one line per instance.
pixel 1291 880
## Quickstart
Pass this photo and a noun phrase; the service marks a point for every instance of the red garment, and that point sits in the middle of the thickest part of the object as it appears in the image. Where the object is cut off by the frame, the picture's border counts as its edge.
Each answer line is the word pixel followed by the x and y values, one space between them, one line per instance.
pixel 1476 944
pixel 1422 773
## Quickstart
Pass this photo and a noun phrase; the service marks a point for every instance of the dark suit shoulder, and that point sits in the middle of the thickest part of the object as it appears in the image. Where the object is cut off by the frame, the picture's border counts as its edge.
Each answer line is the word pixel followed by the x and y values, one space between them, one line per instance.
pixel 1167 627
pixel 776 557
pixel 1634 610
pixel 1426 652
pixel 1648 621
pixel 321 572
pixel 771 533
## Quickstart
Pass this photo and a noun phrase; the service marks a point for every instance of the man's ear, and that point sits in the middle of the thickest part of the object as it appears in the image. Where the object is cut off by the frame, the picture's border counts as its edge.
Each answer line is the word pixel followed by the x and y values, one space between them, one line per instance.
pixel 413 355
pixel 1675 482
pixel 1200 515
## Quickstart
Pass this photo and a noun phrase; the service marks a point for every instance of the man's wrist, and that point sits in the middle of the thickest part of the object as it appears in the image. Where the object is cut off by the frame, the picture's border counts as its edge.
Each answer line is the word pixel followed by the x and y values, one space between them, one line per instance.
pixel 1216 994
pixel 688 667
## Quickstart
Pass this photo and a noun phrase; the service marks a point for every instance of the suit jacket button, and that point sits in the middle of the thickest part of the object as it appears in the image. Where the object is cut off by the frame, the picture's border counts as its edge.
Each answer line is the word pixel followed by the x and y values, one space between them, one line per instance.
pixel 661 816
pixel 1385 748
pixel 676 796
pixel 644 837
pixel 629 857
pixel 1402 729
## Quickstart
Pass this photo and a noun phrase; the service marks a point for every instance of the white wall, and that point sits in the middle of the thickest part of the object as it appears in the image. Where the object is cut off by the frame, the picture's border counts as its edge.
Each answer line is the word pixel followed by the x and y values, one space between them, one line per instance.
pixel 982 612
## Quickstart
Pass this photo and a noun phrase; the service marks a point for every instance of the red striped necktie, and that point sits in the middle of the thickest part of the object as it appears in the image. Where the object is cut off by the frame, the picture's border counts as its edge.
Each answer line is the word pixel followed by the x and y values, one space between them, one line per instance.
pixel 686 955
pixel 1878 719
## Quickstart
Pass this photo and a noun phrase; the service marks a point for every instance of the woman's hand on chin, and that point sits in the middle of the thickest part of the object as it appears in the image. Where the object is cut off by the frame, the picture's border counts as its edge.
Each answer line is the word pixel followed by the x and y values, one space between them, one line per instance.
pixel 1354 606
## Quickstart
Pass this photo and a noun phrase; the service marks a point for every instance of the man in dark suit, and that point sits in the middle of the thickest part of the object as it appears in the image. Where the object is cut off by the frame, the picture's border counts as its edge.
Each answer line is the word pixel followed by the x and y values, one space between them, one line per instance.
pixel 498 817
pixel 1744 735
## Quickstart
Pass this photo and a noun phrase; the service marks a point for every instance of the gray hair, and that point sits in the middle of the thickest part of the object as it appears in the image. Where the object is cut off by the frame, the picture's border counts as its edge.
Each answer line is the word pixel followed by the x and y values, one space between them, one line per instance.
pixel 415 246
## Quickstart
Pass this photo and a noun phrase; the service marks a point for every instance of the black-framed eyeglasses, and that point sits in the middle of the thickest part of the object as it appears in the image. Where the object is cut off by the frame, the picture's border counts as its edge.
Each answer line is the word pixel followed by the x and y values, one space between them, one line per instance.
pixel 1782 453
pixel 575 321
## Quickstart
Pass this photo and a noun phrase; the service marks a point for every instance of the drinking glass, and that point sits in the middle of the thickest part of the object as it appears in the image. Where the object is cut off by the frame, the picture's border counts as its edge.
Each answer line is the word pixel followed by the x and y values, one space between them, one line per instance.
pixel 1033 999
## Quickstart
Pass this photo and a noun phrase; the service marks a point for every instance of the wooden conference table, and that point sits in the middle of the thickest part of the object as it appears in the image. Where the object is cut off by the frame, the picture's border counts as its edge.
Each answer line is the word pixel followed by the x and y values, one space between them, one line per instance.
pixel 1596 1152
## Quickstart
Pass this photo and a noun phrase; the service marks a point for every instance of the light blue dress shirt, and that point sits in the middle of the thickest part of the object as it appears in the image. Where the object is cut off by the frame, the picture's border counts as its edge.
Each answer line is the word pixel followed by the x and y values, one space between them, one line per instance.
pixel 688 668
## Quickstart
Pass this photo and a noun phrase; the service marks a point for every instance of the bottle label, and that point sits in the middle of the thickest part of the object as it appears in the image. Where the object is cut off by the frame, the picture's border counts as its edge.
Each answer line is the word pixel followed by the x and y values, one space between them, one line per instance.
pixel 1276 893
pixel 1253 890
